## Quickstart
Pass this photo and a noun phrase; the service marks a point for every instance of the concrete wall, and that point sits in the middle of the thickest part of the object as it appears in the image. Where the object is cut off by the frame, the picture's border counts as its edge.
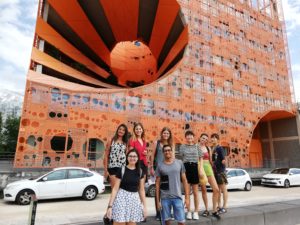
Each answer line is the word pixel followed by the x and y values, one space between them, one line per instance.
pixel 284 143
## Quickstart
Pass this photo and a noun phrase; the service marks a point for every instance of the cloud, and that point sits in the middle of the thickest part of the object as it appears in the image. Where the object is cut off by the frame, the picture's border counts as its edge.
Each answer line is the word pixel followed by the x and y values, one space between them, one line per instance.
pixel 14 79
pixel 17 22
pixel 291 10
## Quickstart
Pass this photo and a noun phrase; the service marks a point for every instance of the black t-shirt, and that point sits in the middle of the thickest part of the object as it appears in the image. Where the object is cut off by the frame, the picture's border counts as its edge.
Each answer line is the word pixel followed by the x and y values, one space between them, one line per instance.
pixel 131 179
pixel 217 157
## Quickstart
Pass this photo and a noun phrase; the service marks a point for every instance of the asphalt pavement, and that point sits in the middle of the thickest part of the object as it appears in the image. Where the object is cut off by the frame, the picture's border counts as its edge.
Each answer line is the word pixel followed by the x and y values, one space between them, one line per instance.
pixel 78 211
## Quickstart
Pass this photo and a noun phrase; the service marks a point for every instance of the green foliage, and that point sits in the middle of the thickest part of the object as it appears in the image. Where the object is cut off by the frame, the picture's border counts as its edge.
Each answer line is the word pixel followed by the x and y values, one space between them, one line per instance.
pixel 9 130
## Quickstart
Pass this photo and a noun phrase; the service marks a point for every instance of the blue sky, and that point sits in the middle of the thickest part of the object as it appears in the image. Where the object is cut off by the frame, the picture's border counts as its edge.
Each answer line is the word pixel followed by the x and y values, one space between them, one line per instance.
pixel 17 22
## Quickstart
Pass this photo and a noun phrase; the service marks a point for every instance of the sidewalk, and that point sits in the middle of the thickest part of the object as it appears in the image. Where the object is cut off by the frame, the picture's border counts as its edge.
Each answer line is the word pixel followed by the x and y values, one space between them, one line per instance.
pixel 279 213
pixel 78 211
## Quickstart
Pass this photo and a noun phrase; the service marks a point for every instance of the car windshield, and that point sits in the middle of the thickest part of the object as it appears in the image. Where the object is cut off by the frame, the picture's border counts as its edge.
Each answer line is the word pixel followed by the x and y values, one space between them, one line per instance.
pixel 280 171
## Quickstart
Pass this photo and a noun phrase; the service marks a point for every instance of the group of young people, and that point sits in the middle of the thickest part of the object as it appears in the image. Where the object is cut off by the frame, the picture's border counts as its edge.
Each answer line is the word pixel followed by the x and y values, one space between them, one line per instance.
pixel 126 164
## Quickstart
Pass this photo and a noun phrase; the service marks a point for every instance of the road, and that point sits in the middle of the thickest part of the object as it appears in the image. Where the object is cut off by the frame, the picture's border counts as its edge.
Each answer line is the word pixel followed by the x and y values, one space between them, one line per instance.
pixel 72 211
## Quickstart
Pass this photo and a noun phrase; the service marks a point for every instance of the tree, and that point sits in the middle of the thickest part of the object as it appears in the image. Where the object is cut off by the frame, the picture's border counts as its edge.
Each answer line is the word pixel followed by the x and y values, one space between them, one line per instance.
pixel 10 133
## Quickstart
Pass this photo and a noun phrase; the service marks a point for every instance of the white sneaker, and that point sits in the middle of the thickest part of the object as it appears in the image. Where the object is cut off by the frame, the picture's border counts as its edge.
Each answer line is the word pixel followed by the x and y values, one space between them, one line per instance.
pixel 189 215
pixel 195 216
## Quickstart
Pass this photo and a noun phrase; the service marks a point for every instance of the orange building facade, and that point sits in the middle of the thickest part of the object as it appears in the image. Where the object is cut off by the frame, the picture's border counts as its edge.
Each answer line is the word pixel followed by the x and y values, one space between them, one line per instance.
pixel 203 65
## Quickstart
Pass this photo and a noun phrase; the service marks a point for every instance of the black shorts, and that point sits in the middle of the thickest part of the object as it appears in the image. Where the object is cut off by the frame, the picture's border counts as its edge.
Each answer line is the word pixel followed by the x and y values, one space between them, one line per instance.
pixel 221 178
pixel 113 171
pixel 191 171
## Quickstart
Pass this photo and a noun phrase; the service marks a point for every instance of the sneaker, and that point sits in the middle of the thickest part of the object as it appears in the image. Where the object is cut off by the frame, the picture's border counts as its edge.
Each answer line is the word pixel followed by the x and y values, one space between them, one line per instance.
pixel 195 216
pixel 189 215
pixel 172 216
pixel 216 215
pixel 222 210
pixel 205 213
pixel 157 217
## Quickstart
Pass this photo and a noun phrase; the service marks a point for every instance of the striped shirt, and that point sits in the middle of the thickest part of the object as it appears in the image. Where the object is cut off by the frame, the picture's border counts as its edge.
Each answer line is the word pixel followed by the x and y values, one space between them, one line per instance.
pixel 190 153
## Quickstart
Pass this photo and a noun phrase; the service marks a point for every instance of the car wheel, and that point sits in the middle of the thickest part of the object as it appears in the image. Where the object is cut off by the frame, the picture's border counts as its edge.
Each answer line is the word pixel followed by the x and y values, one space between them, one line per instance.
pixel 90 193
pixel 248 186
pixel 151 191
pixel 24 197
pixel 286 184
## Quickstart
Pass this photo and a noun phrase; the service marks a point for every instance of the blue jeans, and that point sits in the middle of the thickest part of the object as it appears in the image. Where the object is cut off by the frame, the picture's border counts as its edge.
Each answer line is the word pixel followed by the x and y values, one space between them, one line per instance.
pixel 178 209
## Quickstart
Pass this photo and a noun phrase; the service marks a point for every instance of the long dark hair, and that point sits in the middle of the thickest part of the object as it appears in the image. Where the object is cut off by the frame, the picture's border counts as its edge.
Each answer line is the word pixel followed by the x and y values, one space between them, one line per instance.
pixel 170 140
pixel 125 136
pixel 143 134
pixel 137 164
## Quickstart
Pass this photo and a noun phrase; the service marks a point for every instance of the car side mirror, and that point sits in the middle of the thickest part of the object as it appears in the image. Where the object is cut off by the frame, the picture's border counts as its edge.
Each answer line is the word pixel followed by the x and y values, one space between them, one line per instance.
pixel 44 179
pixel 291 174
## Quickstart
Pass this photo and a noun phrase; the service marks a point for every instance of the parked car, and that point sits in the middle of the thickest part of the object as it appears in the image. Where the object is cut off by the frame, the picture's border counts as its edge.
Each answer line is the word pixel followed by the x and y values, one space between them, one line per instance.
pixel 237 179
pixel 284 177
pixel 61 182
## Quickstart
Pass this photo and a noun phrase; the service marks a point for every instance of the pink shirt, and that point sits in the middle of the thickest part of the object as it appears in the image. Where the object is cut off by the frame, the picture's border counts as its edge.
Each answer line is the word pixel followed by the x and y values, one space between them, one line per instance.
pixel 140 148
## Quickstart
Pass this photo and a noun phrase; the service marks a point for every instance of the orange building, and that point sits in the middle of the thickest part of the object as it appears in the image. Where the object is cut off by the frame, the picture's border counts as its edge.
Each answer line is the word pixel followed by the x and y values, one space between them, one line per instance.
pixel 207 65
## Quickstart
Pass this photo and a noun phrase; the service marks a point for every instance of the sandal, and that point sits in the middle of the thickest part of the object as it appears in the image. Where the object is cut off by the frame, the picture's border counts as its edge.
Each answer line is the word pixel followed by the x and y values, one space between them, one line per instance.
pixel 222 210
pixel 216 215
pixel 205 213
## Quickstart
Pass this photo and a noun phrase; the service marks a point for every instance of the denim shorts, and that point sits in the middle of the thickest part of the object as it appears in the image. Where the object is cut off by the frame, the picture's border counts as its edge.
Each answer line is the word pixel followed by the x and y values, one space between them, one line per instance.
pixel 178 209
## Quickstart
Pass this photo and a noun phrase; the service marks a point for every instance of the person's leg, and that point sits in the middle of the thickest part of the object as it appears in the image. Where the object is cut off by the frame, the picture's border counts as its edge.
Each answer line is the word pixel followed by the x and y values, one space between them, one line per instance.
pixel 166 205
pixel 204 196
pixel 196 197
pixel 188 206
pixel 112 180
pixel 225 195
pixel 116 223
pixel 215 196
pixel 178 209
pixel 220 195
pixel 131 223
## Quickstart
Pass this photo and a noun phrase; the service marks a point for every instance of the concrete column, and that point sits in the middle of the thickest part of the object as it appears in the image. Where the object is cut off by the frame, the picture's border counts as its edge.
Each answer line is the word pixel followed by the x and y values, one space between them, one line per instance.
pixel 272 152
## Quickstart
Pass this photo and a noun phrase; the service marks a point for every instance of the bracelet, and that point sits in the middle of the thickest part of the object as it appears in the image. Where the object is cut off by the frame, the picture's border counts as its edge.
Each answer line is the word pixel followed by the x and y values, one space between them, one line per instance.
pixel 109 206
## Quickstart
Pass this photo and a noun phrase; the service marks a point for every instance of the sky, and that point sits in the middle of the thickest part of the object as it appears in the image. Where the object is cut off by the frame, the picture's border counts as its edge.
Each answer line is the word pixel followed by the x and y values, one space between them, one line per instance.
pixel 17 23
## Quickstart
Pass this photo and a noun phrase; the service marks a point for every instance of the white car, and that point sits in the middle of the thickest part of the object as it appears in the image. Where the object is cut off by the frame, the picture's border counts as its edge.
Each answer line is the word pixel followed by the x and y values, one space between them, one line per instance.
pixel 237 179
pixel 61 182
pixel 284 177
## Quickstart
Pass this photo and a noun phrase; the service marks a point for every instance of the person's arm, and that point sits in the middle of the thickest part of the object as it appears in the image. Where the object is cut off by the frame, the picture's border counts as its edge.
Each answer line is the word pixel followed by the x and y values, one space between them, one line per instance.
pixel 222 156
pixel 157 192
pixel 152 158
pixel 112 198
pixel 200 161
pixel 105 159
pixel 185 186
pixel 200 166
pixel 143 196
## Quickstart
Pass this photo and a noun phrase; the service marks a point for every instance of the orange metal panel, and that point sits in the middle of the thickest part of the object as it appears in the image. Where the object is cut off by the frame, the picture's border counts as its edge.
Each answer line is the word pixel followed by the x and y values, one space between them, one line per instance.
pixel 165 16
pixel 47 80
pixel 71 12
pixel 50 35
pixel 123 20
pixel 179 44
pixel 46 60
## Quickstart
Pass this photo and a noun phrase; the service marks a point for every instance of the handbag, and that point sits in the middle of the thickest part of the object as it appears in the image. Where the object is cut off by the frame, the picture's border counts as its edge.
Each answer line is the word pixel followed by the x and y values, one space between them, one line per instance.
pixel 202 180
pixel 107 221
